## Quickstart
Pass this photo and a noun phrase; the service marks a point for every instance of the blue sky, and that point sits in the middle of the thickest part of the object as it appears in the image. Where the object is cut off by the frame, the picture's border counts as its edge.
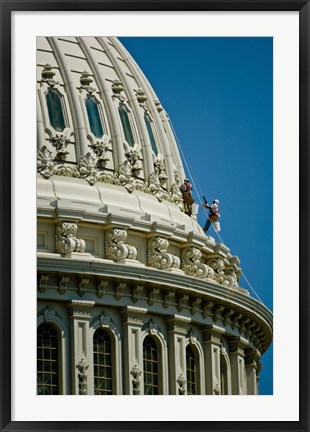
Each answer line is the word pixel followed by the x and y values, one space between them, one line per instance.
pixel 218 94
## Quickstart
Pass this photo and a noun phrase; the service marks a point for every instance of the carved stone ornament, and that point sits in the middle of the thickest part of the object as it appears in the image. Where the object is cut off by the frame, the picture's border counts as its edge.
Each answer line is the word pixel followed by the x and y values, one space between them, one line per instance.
pixel 135 372
pixel 63 284
pixel 116 248
pixel 136 293
pixel 175 194
pixel 158 105
pixel 182 300
pixel 48 75
pixel 156 180
pixel 220 277
pixel 83 282
pixel 151 327
pixel 42 285
pixel 82 377
pixel 217 390
pixel 168 296
pixel 192 266
pixel 86 80
pixel 182 385
pixel 158 257
pixel 45 162
pixel 195 305
pixel 66 241
pixel 87 168
pixel 207 309
pixel 60 142
pixel 117 89
pixel 160 171
pixel 100 149
pixel 101 287
pixel 153 293
pixel 141 97
pixel 119 290
pixel 134 159
pixel 49 314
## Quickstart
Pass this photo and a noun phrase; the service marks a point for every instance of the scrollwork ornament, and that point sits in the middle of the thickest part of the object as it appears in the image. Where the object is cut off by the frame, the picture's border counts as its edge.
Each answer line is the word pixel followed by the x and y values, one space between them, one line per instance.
pixel 158 257
pixel 116 248
pixel 45 162
pixel 192 266
pixel 66 241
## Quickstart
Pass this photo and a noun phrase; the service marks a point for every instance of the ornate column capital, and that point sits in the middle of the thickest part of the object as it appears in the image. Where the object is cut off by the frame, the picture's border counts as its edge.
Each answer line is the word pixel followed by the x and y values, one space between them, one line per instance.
pixel 80 308
pixel 252 357
pixel 177 324
pixel 212 334
pixel 133 315
pixel 237 345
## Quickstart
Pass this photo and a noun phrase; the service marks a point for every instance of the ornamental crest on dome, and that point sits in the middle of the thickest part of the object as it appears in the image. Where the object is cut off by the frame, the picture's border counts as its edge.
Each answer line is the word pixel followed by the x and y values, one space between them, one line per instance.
pixel 48 75
pixel 85 80
pixel 117 89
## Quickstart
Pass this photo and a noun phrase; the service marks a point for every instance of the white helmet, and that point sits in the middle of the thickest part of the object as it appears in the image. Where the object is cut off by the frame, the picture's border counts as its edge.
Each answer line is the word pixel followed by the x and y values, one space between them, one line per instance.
pixel 216 201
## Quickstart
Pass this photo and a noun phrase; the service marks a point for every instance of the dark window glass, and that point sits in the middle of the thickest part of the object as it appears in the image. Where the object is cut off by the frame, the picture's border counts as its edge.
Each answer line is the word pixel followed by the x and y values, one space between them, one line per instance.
pixel 150 366
pixel 55 111
pixel 151 135
pixel 47 360
pixel 126 126
pixel 94 117
pixel 102 363
pixel 191 374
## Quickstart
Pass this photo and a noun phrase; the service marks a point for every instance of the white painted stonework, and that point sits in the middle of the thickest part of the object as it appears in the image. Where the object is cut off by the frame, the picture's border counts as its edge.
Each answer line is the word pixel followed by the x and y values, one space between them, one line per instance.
pixel 116 250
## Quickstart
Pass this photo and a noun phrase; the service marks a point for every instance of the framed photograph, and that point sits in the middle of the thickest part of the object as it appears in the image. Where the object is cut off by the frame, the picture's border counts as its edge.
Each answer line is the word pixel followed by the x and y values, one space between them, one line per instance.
pixel 154 215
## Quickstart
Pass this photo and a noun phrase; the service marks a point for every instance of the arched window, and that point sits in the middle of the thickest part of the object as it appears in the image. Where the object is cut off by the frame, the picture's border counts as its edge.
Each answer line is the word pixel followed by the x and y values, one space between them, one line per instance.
pixel 47 360
pixel 150 132
pixel 150 366
pixel 191 371
pixel 102 363
pixel 92 108
pixel 126 125
pixel 55 109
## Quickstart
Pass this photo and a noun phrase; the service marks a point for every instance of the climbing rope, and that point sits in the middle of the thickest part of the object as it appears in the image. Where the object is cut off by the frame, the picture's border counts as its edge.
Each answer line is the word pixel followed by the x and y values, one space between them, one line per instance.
pixel 188 168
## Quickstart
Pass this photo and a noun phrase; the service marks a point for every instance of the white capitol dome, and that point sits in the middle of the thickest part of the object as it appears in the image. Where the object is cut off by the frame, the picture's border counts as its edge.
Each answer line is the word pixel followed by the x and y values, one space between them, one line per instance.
pixel 133 298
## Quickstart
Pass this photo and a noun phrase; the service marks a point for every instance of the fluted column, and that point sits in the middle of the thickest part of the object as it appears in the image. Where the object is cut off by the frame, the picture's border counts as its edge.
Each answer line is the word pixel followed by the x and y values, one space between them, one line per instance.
pixel 132 320
pixel 177 333
pixel 212 352
pixel 236 355
pixel 81 347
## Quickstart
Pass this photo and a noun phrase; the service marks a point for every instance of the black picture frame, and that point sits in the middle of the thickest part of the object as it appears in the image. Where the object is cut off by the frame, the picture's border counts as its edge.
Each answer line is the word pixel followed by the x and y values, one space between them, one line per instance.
pixel 7 7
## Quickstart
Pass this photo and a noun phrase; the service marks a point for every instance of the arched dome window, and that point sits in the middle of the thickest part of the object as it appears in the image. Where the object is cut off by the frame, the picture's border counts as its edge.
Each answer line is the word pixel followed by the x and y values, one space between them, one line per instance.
pixel 54 101
pixel 191 371
pixel 93 113
pixel 150 132
pixel 150 366
pixel 126 125
pixel 102 348
pixel 47 360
